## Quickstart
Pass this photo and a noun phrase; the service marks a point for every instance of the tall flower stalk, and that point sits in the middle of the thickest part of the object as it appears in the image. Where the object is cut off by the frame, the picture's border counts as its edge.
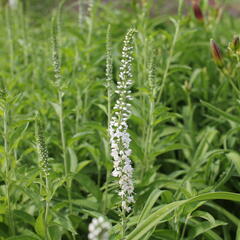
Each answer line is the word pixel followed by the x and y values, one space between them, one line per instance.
pixel 119 137
pixel 109 87
pixel 44 167
pixel 60 92
pixel 151 105
pixel 109 72
pixel 10 40
pixel 171 51
pixel 90 22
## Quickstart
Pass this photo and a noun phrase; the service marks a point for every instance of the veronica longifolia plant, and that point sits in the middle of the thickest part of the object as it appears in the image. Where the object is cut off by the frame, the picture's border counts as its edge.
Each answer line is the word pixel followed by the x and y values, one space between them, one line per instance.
pixel 119 137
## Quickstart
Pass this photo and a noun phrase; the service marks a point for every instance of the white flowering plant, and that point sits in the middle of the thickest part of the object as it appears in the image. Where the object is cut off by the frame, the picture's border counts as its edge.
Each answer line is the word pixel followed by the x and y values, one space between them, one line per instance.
pixel 119 137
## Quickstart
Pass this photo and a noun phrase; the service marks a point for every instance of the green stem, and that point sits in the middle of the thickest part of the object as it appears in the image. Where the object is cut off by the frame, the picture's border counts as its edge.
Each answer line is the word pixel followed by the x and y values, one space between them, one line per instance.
pixel 106 192
pixel 46 221
pixel 169 60
pixel 184 228
pixel 148 139
pixel 231 80
pixel 78 110
pixel 10 40
pixel 123 220
pixel 109 103
pixel 61 121
pixel 90 30
pixel 7 180
pixel 47 237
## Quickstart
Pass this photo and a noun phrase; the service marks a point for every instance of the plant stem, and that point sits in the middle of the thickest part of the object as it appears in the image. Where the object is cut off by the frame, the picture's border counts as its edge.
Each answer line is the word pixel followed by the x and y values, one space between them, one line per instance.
pixel 90 31
pixel 231 80
pixel 109 80
pixel 7 159
pixel 61 121
pixel 123 224
pixel 148 141
pixel 79 106
pixel 184 228
pixel 169 60
pixel 10 40
pixel 46 211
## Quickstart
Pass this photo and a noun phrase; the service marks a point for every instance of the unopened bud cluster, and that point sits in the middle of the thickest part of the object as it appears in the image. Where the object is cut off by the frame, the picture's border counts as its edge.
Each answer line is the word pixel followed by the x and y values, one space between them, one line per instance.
pixel 119 137
pixel 55 55
pixel 42 151
pixel 109 62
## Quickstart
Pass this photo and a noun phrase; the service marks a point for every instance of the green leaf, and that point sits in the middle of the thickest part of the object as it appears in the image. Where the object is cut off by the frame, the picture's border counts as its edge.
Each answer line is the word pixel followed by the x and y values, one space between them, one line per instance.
pixel 203 227
pixel 57 108
pixel 83 164
pixel 153 197
pixel 89 185
pixel 164 234
pixel 169 148
pixel 224 212
pixel 4 230
pixel 39 225
pixel 55 232
pixel 25 217
pixel 103 108
pixel 207 138
pixel 64 222
pixel 86 203
pixel 22 237
pixel 160 214
pixel 179 68
pixel 73 160
pixel 238 232
pixel 235 158
pixel 204 215
pixel 220 112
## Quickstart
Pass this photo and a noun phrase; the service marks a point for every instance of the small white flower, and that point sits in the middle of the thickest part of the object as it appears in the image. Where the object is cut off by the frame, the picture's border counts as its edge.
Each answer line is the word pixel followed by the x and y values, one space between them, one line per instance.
pixel 98 229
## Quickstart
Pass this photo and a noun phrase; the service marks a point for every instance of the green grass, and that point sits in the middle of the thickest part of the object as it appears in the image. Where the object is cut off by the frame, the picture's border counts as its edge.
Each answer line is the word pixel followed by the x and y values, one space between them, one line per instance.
pixel 184 121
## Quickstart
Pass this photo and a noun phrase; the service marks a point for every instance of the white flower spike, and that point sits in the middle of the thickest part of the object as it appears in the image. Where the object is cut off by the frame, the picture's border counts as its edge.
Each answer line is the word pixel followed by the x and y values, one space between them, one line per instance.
pixel 119 137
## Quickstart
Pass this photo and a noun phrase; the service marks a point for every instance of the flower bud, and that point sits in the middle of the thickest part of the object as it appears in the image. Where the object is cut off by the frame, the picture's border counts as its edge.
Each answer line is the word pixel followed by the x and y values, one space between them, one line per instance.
pixel 197 11
pixel 216 53
pixel 236 42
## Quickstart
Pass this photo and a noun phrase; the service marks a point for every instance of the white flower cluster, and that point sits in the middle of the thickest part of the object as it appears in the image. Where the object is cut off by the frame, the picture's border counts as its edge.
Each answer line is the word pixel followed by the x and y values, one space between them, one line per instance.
pixel 119 137
pixel 98 229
